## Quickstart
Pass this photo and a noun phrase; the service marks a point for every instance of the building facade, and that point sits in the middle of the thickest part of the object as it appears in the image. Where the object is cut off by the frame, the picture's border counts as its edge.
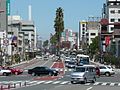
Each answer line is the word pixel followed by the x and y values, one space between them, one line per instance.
pixel 21 36
pixel 88 30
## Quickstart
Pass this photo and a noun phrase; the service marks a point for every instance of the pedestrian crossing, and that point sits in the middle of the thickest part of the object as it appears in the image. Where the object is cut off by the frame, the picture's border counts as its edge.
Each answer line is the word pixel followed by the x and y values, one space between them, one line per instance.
pixel 60 82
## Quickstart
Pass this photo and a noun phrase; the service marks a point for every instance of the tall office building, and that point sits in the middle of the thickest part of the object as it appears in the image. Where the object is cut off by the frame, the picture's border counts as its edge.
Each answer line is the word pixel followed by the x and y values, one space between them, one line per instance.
pixel 3 15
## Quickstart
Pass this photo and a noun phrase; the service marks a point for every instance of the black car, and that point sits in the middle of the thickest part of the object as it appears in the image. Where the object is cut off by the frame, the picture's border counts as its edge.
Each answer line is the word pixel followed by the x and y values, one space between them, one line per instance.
pixel 43 71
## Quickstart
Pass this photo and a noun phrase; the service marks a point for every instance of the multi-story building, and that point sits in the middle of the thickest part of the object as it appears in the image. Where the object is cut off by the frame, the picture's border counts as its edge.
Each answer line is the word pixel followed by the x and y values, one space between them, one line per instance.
pixel 3 16
pixel 69 37
pixel 93 28
pixel 111 12
pixel 82 33
pixel 24 31
pixel 88 30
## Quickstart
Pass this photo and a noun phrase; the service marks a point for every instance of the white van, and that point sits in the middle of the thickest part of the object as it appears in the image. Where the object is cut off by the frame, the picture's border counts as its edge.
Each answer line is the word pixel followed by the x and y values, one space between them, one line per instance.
pixel 84 74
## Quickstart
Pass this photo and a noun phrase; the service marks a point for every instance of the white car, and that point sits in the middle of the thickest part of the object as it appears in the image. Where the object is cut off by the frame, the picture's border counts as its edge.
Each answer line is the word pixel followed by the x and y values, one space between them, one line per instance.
pixel 106 70
pixel 5 72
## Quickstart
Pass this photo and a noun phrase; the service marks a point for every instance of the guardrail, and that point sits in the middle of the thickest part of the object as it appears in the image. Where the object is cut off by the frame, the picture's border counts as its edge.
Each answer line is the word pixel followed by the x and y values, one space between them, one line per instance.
pixel 11 84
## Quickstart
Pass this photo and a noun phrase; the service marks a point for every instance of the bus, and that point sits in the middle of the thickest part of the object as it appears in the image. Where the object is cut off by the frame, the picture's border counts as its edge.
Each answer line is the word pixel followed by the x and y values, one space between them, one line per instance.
pixel 83 59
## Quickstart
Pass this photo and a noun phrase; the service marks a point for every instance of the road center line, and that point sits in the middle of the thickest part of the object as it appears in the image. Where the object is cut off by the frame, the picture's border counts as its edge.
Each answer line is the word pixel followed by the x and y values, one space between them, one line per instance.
pixel 89 88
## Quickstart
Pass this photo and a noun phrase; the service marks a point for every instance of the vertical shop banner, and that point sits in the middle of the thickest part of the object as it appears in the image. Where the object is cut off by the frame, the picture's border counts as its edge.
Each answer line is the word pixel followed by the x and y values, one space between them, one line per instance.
pixel 107 40
pixel 8 7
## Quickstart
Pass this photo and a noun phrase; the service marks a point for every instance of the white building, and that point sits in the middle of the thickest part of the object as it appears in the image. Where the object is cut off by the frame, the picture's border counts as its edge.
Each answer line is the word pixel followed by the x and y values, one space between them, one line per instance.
pixel 112 12
pixel 88 30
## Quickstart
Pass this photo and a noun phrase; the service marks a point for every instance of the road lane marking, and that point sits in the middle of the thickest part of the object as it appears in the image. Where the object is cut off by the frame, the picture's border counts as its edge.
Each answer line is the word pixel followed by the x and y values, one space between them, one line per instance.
pixel 103 84
pixel 64 82
pixel 48 82
pixel 56 82
pixel 89 88
pixel 119 84
pixel 40 82
pixel 96 83
pixel 112 84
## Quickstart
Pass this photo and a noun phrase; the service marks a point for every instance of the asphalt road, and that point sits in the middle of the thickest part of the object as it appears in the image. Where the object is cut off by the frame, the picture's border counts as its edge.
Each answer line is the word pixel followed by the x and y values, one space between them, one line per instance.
pixel 105 83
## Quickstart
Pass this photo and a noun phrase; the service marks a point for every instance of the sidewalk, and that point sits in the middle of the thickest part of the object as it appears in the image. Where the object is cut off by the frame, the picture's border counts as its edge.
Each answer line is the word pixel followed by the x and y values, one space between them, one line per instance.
pixel 24 64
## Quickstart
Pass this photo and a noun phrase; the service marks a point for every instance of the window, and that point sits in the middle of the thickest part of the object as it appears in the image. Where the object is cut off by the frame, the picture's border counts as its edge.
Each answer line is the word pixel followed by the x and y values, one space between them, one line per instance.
pixel 87 34
pixel 112 28
pixel 83 25
pixel 92 34
pixel 112 11
pixel 112 20
pixel 118 11
pixel 119 20
pixel 83 32
pixel 102 67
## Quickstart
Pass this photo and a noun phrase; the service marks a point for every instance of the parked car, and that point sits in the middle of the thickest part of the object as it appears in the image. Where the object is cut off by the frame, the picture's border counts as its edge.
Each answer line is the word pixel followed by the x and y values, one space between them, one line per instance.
pixel 5 72
pixel 43 71
pixel 83 74
pixel 15 71
pixel 106 70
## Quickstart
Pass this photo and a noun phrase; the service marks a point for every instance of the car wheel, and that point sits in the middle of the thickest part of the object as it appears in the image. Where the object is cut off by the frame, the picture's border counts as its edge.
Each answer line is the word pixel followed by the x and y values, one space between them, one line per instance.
pixel 72 82
pixel 107 74
pixel 4 74
pixel 94 79
pixel 16 73
pixel 85 81
pixel 33 74
pixel 50 74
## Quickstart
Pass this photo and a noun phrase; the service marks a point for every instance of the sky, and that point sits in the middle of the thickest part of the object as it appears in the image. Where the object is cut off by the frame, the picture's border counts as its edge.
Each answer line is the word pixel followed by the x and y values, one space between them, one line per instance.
pixel 44 13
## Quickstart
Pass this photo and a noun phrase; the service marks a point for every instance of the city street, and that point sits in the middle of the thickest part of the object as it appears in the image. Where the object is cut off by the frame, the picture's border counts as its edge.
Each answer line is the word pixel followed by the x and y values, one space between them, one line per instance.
pixel 60 82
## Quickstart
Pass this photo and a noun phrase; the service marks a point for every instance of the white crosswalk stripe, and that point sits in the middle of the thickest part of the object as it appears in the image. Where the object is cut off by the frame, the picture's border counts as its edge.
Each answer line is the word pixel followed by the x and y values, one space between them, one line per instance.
pixel 30 83
pixel 103 84
pixel 96 83
pixel 64 82
pixel 112 84
pixel 48 82
pixel 118 84
pixel 56 82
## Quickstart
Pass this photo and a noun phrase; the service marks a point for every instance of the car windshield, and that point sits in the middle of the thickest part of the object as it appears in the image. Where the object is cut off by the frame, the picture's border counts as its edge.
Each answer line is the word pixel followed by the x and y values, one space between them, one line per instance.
pixel 80 69
pixel 71 62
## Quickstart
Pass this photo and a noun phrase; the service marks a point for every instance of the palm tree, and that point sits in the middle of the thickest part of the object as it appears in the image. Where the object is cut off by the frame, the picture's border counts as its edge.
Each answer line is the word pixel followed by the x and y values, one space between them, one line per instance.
pixel 59 26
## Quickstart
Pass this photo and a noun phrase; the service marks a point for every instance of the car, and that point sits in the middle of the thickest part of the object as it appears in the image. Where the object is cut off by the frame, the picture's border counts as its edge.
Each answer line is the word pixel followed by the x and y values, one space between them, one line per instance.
pixel 5 72
pixel 15 71
pixel 43 70
pixel 83 74
pixel 71 64
pixel 46 57
pixel 106 70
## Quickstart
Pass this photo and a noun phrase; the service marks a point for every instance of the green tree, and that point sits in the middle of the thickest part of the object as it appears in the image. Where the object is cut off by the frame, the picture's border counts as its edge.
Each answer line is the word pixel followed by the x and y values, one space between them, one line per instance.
pixel 59 25
pixel 94 46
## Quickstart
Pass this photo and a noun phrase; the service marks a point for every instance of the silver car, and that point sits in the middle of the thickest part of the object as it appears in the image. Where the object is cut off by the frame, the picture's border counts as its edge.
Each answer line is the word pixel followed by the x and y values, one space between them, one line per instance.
pixel 106 70
pixel 84 74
